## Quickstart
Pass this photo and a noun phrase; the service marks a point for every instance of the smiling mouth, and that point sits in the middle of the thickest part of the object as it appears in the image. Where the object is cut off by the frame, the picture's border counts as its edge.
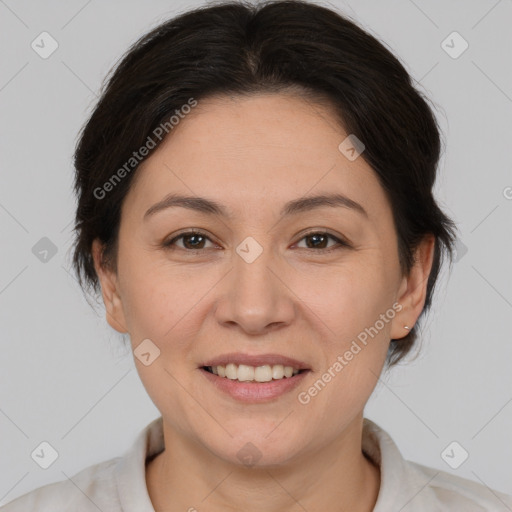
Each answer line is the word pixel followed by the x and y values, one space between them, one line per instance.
pixel 256 374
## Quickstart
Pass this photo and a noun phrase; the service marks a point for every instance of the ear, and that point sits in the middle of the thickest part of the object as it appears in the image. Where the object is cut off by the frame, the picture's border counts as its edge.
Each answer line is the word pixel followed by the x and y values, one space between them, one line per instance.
pixel 109 290
pixel 413 288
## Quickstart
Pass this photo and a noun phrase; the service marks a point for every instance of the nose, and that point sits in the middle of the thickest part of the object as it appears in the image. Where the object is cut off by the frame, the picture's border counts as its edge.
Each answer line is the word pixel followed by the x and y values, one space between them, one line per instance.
pixel 255 296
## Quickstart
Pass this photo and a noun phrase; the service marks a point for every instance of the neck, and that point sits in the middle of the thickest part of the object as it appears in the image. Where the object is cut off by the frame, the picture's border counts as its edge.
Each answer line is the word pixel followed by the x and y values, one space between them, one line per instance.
pixel 335 477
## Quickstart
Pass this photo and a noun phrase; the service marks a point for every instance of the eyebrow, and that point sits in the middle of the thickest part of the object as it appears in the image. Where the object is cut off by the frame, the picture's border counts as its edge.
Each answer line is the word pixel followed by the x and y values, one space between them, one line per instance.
pixel 211 207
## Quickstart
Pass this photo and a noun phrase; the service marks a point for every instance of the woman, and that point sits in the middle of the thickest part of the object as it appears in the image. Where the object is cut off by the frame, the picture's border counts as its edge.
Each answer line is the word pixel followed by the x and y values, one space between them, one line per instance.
pixel 255 203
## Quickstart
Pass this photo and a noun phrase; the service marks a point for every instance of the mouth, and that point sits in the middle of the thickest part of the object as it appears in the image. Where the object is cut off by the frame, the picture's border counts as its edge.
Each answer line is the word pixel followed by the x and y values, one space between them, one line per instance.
pixel 246 373
pixel 254 378
pixel 255 368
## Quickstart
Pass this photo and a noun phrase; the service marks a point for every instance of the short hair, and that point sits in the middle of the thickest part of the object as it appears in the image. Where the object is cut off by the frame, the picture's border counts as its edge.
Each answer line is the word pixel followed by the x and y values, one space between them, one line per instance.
pixel 238 48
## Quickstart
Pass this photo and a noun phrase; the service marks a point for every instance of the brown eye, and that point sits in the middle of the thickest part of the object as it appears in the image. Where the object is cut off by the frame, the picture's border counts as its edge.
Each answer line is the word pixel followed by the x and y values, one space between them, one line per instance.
pixel 317 240
pixel 320 239
pixel 192 240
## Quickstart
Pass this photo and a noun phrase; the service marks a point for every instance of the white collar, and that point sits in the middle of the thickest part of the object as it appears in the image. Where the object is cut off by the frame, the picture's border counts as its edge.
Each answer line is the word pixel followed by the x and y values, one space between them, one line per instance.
pixel 405 486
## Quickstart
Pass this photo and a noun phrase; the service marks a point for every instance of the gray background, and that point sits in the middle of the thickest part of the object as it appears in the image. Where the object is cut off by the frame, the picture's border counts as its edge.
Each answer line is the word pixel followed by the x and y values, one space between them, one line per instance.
pixel 65 377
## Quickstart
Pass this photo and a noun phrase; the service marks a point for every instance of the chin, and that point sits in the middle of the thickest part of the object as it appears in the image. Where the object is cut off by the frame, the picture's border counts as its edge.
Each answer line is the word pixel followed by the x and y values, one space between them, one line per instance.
pixel 261 449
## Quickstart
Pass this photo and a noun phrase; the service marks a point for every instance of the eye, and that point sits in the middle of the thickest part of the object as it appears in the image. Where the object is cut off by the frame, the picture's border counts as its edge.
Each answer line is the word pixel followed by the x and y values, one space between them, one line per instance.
pixel 319 239
pixel 195 240
pixel 192 240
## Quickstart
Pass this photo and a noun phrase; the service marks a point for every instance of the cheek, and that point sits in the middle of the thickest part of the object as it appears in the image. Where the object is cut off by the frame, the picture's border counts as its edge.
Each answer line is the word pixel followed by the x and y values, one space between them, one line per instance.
pixel 157 295
pixel 347 298
pixel 354 312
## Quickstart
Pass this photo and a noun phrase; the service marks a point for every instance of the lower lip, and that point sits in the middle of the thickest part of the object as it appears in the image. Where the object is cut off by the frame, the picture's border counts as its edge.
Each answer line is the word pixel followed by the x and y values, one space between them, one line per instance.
pixel 255 392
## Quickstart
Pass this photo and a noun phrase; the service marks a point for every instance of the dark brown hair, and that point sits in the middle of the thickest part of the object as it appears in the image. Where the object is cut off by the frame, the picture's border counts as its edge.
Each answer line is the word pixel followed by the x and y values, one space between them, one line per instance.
pixel 238 48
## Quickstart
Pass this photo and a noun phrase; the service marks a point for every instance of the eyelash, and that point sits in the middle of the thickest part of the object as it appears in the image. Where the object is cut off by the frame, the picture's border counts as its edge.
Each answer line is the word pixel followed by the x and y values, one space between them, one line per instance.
pixel 341 243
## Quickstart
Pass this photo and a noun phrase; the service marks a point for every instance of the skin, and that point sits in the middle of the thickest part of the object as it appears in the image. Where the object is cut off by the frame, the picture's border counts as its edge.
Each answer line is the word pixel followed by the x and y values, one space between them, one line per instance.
pixel 292 300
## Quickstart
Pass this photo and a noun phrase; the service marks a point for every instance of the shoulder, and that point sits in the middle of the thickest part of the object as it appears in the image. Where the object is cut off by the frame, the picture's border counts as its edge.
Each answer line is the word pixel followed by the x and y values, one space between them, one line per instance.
pixel 446 491
pixel 412 487
pixel 91 489
pixel 113 485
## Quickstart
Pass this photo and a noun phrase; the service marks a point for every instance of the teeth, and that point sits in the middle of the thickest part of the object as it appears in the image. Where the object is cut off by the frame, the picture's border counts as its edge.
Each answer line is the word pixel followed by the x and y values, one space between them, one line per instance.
pixel 277 371
pixel 246 373
pixel 231 371
pixel 263 373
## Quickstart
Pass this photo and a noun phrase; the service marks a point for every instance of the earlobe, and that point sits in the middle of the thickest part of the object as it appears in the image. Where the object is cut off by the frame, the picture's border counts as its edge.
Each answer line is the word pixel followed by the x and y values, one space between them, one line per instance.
pixel 109 290
pixel 413 289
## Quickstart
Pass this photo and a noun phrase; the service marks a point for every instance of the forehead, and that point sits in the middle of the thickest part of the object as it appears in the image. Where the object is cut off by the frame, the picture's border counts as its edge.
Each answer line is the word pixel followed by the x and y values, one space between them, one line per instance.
pixel 241 150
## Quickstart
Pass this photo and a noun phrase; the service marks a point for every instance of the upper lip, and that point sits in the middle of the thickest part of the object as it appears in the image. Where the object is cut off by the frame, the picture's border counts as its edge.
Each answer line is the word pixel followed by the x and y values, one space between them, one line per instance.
pixel 256 360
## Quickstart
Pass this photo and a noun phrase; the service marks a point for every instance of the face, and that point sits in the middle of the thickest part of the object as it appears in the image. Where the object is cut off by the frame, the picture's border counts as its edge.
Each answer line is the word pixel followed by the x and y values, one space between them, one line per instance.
pixel 315 282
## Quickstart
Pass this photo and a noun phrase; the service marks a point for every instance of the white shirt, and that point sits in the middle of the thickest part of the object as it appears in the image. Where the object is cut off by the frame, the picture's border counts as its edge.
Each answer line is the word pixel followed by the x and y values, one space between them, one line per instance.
pixel 119 484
